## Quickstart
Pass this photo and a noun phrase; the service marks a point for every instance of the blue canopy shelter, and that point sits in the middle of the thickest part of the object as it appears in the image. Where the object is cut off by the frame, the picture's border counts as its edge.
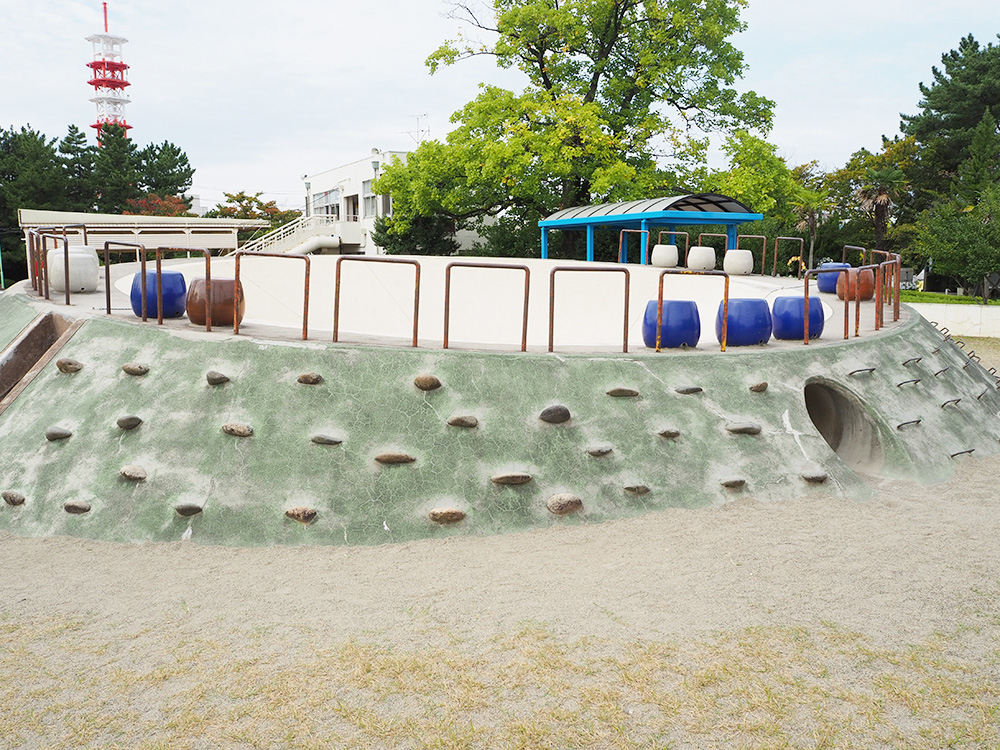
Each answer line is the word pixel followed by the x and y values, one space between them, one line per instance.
pixel 669 214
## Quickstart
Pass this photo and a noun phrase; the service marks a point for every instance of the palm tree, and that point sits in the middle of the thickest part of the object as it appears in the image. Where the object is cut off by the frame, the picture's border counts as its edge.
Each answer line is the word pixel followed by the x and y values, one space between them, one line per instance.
pixel 879 191
pixel 810 205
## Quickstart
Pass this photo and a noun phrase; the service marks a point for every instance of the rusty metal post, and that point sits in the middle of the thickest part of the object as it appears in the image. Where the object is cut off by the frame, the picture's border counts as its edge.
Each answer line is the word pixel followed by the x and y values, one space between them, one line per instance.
pixel 305 286
pixel 552 299
pixel 688 272
pixel 370 259
pixel 473 264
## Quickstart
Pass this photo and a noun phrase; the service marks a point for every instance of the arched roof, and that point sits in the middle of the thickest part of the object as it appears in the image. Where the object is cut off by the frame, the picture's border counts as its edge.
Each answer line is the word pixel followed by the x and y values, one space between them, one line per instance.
pixel 704 202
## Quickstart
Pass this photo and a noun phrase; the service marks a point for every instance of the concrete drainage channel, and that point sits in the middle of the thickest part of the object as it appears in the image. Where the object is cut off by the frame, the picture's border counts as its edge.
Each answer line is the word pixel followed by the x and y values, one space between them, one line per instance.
pixel 30 351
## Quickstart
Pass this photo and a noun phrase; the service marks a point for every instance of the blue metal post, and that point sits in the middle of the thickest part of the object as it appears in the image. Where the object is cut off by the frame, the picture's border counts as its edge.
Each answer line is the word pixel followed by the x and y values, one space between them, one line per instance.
pixel 590 242
pixel 545 243
pixel 644 225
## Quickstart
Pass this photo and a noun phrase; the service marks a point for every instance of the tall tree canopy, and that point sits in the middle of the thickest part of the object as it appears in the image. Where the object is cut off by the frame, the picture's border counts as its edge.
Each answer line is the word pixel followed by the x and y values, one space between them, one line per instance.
pixel 615 88
pixel 964 89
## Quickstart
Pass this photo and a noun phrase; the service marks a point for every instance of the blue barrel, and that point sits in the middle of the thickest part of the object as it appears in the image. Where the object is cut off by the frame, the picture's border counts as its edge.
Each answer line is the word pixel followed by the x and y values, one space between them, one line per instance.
pixel 827 282
pixel 681 324
pixel 749 322
pixel 174 294
pixel 788 316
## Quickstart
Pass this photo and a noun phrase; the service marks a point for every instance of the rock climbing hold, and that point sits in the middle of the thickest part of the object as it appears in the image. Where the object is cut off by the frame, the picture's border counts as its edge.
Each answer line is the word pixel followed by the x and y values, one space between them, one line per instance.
pixel 511 478
pixel 427 382
pixel 57 433
pixel 446 515
pixel 12 498
pixel 134 368
pixel 215 378
pixel 563 504
pixel 623 393
pixel 133 473
pixel 556 414
pixel 69 365
pixel 395 458
pixel 129 422
pixel 310 378
pixel 236 429
pixel 302 514
pixel 467 421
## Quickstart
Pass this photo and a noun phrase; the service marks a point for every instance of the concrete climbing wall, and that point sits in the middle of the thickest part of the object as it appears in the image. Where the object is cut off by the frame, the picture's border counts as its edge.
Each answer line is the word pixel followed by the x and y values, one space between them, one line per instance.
pixel 354 440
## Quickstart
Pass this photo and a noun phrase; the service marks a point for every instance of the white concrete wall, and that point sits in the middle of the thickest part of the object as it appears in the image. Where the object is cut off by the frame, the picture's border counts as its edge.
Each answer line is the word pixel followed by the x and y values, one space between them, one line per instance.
pixel 963 320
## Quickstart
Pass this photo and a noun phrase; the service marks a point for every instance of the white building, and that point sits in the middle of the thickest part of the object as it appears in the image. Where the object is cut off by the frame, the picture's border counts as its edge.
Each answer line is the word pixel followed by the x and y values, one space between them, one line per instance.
pixel 343 196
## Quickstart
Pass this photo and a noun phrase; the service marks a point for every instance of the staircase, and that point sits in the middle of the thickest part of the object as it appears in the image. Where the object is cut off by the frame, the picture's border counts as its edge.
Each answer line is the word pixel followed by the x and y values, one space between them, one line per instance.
pixel 286 238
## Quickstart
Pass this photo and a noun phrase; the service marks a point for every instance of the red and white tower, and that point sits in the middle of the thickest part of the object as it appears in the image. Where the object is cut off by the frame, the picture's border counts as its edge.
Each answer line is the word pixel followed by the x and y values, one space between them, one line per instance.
pixel 109 78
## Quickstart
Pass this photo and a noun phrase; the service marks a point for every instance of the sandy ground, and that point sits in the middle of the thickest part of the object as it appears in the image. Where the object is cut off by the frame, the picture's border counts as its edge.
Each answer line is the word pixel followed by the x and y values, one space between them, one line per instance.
pixel 813 623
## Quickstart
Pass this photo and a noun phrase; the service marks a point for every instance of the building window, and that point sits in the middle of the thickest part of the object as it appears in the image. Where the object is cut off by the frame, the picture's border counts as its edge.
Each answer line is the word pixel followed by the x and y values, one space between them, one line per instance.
pixel 371 200
pixel 327 204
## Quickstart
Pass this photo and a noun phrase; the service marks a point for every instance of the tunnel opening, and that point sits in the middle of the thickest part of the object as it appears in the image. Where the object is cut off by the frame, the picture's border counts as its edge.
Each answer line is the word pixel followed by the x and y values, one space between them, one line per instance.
pixel 845 424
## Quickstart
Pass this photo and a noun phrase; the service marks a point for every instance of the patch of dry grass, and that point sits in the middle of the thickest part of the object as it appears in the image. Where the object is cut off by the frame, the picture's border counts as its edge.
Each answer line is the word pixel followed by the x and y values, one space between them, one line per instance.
pixel 62 686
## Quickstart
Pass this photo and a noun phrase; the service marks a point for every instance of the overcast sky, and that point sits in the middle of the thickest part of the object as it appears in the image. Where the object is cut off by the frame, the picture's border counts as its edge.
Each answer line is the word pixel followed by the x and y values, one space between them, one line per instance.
pixel 260 93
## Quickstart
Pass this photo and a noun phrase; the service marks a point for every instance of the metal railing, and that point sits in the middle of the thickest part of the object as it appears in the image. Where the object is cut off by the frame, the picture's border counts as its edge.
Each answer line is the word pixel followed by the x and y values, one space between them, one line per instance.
pixel 288 235
pixel 552 298
pixel 473 264
pixel 369 259
pixel 687 240
pixel 208 284
pixel 847 302
pixel 305 286
pixel 38 255
pixel 725 237
pixel 688 272
pixel 140 251
pixel 763 250
pixel 774 264
pixel 643 249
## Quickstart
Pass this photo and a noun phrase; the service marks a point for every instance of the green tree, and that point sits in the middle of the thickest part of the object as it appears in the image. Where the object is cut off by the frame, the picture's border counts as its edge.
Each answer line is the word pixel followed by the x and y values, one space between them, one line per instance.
pixel 879 191
pixel 427 235
pixel 116 170
pixel 982 168
pixel 964 243
pixel 165 170
pixel 243 205
pixel 964 89
pixel 614 88
pixel 757 176
pixel 77 158
pixel 810 205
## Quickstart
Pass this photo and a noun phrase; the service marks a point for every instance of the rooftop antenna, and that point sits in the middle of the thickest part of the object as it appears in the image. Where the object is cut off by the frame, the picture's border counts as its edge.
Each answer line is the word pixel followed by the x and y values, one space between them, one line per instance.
pixel 419 135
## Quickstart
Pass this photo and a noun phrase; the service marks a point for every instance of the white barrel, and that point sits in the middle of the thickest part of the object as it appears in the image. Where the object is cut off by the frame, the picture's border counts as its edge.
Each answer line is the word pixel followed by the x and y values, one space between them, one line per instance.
pixel 84 269
pixel 738 262
pixel 664 256
pixel 701 258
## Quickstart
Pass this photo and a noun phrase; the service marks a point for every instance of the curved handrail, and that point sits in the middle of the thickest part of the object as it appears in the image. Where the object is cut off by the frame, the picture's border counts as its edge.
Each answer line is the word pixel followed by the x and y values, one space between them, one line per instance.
pixel 208 282
pixel 843 254
pixel 763 250
pixel 127 247
pixel 370 259
pixel 687 238
pixel 305 285
pixel 643 250
pixel 474 264
pixel 725 237
pixel 552 299
pixel 774 263
pixel 689 272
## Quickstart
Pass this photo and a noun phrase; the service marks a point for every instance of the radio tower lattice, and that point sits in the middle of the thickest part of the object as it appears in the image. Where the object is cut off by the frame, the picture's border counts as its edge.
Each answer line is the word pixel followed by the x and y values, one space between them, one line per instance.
pixel 109 78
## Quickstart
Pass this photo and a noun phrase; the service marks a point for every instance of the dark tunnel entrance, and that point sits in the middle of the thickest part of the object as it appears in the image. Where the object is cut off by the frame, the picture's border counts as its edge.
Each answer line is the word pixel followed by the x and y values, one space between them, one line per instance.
pixel 844 423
